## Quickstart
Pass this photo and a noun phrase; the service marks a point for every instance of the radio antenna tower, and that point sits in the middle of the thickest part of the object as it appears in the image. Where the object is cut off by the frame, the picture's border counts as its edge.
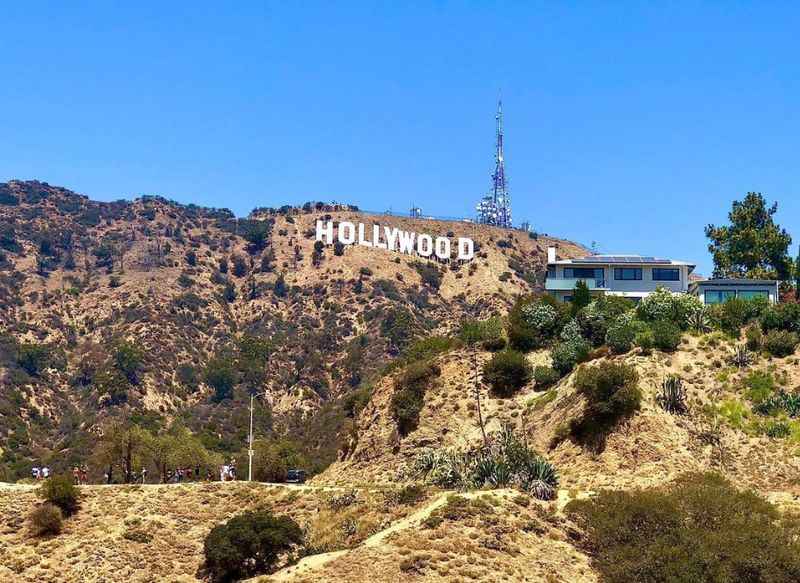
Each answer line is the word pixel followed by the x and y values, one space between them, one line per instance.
pixel 495 208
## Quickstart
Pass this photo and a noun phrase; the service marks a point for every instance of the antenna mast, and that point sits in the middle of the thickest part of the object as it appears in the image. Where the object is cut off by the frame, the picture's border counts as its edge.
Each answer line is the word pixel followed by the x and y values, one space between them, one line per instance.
pixel 495 208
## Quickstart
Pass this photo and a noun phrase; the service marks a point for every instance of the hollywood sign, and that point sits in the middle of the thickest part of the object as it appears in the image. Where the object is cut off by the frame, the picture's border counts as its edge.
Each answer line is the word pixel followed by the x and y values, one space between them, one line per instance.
pixel 394 239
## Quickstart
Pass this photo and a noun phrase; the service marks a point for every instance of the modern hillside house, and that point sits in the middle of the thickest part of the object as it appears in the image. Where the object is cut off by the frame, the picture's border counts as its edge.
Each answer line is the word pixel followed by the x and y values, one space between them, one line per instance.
pixel 630 276
pixel 717 291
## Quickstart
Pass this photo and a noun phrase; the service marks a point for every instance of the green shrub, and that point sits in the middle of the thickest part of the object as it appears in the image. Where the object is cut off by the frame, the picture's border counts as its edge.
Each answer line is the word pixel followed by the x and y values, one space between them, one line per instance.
pixel 409 395
pixel 666 335
pixel 59 491
pixel 567 355
pixel 755 338
pixel 249 545
pixel 784 317
pixel 581 297
pixel 46 519
pixel 129 359
pixel 698 529
pixel 220 376
pixel 645 340
pixel 494 344
pixel 506 372
pixel 475 331
pixel 600 314
pixel 760 386
pixel 620 336
pixel 545 376
pixel 731 316
pixel 33 358
pixel 612 394
pixel 780 343
pixel 429 347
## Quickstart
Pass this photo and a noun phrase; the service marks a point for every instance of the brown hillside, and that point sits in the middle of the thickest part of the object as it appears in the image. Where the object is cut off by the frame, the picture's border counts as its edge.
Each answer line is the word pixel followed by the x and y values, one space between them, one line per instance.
pixel 79 277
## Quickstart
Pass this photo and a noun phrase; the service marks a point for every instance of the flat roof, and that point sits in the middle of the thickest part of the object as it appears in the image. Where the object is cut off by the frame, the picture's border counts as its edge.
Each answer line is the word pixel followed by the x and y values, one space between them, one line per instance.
pixel 621 260
pixel 736 282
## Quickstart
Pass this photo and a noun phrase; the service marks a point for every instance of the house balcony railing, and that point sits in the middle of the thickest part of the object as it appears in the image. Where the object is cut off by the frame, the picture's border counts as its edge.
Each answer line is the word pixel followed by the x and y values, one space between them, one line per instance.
pixel 568 284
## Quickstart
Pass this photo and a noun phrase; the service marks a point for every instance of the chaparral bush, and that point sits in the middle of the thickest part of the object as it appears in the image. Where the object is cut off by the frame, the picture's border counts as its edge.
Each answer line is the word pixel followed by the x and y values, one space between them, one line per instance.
pixel 645 340
pixel 46 519
pixel 612 394
pixel 620 336
pixel 755 338
pixel 567 355
pixel 781 317
pixel 731 316
pixel 545 376
pixel 663 305
pixel 506 372
pixel 600 314
pixel 534 322
pixel 61 492
pixel 666 335
pixel 409 394
pixel 780 343
pixel 248 545
pixel 698 529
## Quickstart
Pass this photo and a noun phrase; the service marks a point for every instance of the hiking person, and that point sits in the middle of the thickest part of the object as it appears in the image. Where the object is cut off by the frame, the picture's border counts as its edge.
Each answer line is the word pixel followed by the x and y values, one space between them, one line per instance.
pixel 84 474
pixel 144 475
pixel 45 472
pixel 76 476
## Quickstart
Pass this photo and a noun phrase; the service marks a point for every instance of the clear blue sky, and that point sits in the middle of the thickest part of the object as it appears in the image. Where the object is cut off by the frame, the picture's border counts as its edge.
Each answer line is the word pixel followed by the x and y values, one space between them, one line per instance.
pixel 630 124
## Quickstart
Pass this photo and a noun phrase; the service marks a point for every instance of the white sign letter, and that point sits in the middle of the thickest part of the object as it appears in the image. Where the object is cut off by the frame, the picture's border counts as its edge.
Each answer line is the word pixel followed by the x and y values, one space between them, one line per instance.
pixel 466 249
pixel 347 233
pixel 442 247
pixel 325 229
pixel 406 242
pixel 425 245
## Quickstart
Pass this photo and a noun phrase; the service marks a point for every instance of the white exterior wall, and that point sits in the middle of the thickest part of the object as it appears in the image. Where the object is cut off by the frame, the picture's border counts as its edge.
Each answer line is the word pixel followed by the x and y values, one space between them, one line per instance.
pixel 643 286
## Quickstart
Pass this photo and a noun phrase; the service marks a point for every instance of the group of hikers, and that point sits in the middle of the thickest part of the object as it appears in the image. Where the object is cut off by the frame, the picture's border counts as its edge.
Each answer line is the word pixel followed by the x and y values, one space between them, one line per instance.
pixel 40 473
pixel 80 474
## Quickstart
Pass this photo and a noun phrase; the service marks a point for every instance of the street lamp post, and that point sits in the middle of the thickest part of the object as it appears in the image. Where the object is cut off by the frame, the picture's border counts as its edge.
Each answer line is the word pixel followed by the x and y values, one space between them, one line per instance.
pixel 250 449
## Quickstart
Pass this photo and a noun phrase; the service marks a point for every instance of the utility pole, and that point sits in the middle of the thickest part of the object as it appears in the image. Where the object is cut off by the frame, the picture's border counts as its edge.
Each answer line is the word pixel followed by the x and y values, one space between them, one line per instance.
pixel 250 449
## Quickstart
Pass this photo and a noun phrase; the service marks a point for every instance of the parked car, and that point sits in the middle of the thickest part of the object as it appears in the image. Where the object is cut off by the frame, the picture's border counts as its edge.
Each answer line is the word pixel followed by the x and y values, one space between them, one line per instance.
pixel 295 476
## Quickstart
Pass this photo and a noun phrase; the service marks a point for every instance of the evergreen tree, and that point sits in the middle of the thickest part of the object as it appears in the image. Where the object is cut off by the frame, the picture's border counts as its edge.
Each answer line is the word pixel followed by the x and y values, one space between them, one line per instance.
pixel 581 297
pixel 753 245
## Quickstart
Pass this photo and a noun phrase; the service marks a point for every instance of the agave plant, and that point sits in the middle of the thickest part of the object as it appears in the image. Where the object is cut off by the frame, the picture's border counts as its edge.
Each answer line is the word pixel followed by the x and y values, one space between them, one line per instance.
pixel 539 477
pixel 504 461
pixel 699 321
pixel 672 396
pixel 742 357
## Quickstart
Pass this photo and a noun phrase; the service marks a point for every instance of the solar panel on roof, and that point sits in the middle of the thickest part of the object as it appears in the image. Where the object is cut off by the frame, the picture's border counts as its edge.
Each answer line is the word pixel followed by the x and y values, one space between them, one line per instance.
pixel 621 259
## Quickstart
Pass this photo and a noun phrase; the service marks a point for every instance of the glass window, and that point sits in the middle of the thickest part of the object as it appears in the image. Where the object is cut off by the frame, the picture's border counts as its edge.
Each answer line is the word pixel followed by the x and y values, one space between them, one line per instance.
pixel 583 273
pixel 567 299
pixel 752 294
pixel 664 274
pixel 719 297
pixel 628 273
pixel 551 272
